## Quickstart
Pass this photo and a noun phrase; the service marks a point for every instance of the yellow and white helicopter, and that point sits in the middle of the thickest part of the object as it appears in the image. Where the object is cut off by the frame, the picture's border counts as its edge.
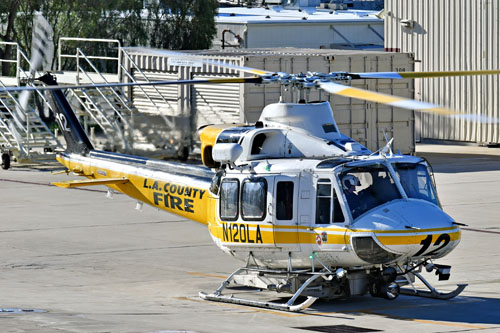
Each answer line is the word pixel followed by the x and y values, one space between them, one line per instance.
pixel 310 211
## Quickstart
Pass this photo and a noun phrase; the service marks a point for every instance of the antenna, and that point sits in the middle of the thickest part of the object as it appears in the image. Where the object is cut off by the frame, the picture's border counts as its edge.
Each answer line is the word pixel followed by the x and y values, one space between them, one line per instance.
pixel 387 148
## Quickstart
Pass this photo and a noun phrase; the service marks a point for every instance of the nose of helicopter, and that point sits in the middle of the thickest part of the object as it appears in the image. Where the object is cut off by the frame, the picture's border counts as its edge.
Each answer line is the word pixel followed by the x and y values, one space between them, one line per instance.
pixel 404 228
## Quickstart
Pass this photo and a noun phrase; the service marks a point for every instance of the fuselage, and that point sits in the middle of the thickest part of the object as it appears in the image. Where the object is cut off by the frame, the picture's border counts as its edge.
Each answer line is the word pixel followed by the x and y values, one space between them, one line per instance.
pixel 295 212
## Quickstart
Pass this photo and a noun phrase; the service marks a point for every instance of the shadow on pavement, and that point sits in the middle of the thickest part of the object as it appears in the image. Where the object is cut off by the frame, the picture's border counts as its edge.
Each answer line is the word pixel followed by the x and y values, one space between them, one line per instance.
pixel 454 163
pixel 462 309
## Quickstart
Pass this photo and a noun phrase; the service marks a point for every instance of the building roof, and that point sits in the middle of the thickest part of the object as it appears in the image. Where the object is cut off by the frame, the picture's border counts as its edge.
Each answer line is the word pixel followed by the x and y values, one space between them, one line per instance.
pixel 278 14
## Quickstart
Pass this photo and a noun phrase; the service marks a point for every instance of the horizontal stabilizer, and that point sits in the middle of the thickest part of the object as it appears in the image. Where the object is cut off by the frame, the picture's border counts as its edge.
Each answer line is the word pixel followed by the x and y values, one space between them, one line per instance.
pixel 91 182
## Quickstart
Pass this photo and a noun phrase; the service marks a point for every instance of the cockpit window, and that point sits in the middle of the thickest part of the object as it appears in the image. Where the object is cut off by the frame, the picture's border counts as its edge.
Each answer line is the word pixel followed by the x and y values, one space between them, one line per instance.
pixel 229 193
pixel 325 212
pixel 367 187
pixel 253 199
pixel 416 181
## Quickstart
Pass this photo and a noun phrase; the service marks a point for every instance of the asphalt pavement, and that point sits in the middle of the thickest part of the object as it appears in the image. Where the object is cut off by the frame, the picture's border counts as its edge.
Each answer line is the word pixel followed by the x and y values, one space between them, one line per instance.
pixel 72 260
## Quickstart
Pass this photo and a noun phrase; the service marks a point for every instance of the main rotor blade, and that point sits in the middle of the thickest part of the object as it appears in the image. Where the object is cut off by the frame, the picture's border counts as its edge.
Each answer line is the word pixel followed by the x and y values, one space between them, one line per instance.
pixel 405 103
pixel 198 58
pixel 371 96
pixel 416 75
pixel 133 84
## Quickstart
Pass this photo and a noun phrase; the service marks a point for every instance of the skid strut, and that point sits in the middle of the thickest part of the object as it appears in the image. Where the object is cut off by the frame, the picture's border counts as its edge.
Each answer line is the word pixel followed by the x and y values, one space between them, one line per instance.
pixel 288 306
pixel 432 292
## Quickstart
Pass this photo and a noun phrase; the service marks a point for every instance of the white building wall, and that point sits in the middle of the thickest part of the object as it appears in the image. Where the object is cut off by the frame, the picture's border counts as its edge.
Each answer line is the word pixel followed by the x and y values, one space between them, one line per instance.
pixel 451 35
pixel 314 35
pixel 352 35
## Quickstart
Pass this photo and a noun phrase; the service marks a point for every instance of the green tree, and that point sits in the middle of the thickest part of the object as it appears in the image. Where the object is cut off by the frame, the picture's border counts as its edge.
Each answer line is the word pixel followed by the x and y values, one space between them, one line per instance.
pixel 8 10
pixel 170 24
pixel 181 24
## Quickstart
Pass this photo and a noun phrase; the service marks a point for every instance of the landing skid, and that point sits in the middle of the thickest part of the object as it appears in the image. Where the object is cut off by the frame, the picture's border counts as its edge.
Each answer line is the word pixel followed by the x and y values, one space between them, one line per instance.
pixel 288 306
pixel 432 292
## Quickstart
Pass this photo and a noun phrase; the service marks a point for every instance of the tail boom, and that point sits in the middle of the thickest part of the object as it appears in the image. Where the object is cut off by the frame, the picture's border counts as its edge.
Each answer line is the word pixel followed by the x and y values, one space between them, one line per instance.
pixel 183 194
pixel 77 140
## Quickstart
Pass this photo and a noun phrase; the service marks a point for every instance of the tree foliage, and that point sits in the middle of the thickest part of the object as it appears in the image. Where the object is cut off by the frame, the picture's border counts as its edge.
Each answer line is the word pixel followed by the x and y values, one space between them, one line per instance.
pixel 182 24
pixel 170 24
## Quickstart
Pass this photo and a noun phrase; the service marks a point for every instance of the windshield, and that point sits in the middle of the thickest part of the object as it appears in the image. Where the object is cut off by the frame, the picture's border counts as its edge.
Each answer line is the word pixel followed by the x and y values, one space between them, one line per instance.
pixel 416 181
pixel 367 187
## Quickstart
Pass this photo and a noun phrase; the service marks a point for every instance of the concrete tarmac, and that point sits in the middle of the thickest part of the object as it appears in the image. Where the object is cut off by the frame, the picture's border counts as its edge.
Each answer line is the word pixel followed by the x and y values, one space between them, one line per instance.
pixel 72 260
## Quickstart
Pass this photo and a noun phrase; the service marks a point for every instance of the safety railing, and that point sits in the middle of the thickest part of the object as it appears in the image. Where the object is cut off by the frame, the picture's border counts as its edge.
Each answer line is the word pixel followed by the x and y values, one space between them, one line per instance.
pixel 117 112
pixel 13 61
pixel 110 109
pixel 64 40
pixel 132 78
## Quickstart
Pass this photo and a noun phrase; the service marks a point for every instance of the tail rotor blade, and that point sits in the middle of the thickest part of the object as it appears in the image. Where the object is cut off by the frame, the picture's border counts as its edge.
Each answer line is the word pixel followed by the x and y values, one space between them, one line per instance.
pixel 24 98
pixel 42 53
pixel 42 46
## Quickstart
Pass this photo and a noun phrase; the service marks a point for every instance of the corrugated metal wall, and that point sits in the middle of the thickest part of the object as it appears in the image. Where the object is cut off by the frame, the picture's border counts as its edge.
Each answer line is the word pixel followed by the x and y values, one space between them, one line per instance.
pixel 226 103
pixel 209 106
pixel 451 35
pixel 147 98
pixel 369 122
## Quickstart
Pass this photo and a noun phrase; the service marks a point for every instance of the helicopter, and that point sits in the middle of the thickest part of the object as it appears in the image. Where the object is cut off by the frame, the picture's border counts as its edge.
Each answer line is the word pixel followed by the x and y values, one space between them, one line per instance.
pixel 309 211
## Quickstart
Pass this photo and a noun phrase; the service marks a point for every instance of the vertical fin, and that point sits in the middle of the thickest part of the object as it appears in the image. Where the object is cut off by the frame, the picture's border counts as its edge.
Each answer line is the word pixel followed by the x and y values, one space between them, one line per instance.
pixel 77 140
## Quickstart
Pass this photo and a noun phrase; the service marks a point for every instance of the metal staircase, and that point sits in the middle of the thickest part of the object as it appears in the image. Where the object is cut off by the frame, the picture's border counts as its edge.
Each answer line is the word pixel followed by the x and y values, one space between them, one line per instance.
pixel 157 122
pixel 121 126
pixel 23 134
pixel 152 127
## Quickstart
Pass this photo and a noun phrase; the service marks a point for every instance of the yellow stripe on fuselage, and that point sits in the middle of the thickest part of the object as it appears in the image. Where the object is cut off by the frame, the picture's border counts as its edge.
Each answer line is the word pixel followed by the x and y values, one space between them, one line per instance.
pixel 279 234
pixel 412 240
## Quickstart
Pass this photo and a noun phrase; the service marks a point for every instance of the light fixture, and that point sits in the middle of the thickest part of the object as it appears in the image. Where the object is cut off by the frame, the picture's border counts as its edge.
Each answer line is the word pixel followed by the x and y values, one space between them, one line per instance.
pixel 236 39
pixel 407 23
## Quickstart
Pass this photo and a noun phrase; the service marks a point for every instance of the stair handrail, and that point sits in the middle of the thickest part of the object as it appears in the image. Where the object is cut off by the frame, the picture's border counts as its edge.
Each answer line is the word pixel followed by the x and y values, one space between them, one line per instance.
pixel 60 55
pixel 110 123
pixel 91 114
pixel 134 64
pixel 100 89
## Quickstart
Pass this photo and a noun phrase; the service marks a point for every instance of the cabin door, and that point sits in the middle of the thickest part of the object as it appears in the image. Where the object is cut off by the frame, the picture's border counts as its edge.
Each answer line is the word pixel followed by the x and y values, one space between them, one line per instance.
pixel 285 212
